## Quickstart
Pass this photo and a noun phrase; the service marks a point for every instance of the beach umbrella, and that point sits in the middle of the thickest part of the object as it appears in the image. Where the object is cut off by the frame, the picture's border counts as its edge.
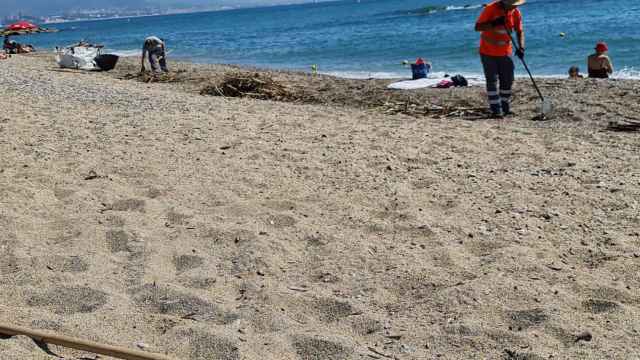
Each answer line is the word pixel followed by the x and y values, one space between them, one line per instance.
pixel 22 25
pixel 22 28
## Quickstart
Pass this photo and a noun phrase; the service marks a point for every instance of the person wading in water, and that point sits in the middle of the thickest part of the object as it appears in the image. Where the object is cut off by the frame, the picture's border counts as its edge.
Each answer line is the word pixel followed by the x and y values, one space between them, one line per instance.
pixel 495 22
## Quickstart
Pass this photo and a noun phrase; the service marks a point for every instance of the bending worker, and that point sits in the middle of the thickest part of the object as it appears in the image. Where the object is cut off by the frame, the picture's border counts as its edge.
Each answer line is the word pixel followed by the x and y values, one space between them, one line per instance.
pixel 495 23
pixel 155 47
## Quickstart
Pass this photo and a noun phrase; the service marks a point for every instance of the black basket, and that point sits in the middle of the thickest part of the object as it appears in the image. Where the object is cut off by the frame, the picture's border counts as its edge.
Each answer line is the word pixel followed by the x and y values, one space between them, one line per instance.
pixel 107 62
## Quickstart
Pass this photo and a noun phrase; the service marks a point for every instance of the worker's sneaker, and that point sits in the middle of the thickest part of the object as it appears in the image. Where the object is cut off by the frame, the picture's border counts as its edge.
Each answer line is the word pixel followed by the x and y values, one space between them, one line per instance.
pixel 509 114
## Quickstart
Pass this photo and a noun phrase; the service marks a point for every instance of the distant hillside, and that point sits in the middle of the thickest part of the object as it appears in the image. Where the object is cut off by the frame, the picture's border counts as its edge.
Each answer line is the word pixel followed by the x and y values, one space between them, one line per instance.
pixel 48 7
pixel 45 7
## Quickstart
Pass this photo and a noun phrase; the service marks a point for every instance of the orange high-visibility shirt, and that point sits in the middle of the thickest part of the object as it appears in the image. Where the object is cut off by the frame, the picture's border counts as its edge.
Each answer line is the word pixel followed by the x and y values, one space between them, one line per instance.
pixel 496 42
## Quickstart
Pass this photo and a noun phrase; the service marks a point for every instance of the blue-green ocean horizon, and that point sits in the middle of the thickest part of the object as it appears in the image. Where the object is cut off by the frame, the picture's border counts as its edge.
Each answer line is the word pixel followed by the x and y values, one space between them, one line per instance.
pixel 371 38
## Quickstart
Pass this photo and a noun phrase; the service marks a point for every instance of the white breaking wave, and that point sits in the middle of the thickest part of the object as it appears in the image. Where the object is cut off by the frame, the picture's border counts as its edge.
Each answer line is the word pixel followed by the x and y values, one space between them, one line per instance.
pixel 622 74
pixel 396 75
pixel 627 73
pixel 128 53
pixel 432 9
pixel 465 7
pixel 366 75
pixel 124 53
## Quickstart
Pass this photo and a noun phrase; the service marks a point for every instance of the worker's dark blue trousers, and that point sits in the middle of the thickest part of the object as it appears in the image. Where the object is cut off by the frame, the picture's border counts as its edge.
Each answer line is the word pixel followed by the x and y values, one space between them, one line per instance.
pixel 498 68
pixel 158 60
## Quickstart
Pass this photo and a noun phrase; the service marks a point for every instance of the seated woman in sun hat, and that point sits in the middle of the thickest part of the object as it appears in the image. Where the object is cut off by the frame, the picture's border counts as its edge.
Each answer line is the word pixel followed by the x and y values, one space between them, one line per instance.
pixel 599 64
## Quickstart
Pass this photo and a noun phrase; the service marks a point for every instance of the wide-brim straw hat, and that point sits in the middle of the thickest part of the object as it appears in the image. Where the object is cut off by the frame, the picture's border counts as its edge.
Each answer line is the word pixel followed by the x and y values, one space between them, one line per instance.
pixel 514 2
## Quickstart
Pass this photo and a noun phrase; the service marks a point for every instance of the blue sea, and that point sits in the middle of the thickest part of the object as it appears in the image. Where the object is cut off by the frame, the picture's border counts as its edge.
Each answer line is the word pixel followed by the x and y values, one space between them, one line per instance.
pixel 371 38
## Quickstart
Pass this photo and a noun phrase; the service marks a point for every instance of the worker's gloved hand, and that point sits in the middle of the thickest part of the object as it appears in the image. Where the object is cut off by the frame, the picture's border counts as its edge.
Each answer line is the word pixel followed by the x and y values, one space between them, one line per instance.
pixel 520 53
pixel 501 21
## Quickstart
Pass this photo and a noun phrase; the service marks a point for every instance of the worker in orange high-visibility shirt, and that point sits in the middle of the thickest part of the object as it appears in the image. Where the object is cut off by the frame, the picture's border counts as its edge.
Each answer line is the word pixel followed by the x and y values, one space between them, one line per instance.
pixel 496 21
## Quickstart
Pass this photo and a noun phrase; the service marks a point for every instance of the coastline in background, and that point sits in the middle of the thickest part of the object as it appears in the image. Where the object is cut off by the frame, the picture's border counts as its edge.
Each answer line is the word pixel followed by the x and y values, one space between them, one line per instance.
pixel 370 38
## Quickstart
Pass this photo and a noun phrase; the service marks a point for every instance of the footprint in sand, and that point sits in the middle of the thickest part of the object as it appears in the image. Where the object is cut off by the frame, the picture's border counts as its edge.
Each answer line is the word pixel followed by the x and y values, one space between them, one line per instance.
pixel 72 264
pixel 524 319
pixel 114 221
pixel 166 301
pixel 316 348
pixel 332 310
pixel 154 193
pixel 118 240
pixel 177 219
pixel 281 221
pixel 596 306
pixel 63 231
pixel 121 241
pixel 318 240
pixel 8 261
pixel 198 282
pixel 137 205
pixel 66 300
pixel 205 347
pixel 187 262
pixel 365 326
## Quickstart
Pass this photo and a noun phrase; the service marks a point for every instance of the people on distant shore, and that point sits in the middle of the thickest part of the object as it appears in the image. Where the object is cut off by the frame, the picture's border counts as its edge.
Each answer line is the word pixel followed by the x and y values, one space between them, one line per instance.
pixel 574 73
pixel 9 45
pixel 12 47
pixel 156 50
pixel 25 48
pixel 599 63
pixel 495 23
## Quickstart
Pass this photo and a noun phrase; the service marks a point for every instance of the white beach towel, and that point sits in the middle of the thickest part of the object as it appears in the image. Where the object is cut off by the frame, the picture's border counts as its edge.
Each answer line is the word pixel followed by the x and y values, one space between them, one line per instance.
pixel 426 83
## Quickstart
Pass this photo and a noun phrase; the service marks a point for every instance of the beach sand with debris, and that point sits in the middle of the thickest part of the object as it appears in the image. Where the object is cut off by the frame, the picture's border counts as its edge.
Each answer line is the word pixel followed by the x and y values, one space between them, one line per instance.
pixel 343 224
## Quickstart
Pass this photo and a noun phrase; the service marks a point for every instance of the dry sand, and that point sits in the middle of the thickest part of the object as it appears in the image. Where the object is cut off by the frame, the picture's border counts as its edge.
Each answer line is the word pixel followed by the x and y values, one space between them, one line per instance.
pixel 215 228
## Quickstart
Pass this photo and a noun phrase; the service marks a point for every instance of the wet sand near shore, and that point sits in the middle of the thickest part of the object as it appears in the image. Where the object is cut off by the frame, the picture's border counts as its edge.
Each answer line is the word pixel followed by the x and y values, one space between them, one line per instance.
pixel 149 216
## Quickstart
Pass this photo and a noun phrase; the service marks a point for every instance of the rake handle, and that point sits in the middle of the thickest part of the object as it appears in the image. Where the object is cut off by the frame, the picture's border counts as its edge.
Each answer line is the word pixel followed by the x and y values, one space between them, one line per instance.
pixel 79 344
pixel 526 67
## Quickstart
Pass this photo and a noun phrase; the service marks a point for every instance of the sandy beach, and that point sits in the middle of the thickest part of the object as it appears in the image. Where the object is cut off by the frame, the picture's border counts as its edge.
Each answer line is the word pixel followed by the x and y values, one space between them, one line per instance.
pixel 149 216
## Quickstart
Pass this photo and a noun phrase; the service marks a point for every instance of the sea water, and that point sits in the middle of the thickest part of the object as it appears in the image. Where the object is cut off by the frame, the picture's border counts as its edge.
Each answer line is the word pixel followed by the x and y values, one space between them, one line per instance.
pixel 371 38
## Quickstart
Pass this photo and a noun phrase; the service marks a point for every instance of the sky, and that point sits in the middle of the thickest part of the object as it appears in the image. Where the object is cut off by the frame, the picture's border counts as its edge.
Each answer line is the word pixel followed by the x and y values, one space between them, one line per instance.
pixel 47 7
